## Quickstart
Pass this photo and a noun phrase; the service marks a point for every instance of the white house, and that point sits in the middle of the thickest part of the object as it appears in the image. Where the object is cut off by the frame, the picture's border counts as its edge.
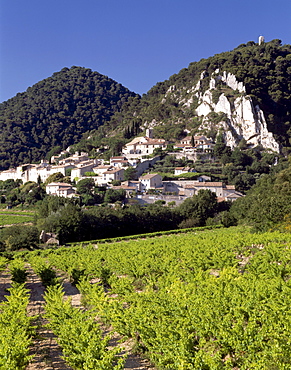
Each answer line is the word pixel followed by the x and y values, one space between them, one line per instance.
pixel 99 170
pixel 151 181
pixel 60 189
pixel 113 174
pixel 180 170
pixel 31 172
pixel 143 146
pixel 80 169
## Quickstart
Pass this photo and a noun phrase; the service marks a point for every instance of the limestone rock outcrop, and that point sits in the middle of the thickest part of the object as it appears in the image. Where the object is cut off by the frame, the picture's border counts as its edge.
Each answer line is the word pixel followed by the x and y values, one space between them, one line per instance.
pixel 240 119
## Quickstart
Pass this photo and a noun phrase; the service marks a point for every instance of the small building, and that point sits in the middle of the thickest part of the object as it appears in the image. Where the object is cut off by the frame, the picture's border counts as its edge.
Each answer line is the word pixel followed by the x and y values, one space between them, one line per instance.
pixel 113 175
pixel 204 178
pixel 60 189
pixel 196 140
pixel 151 181
pixel 118 161
pixel 143 146
pixel 181 170
pixel 81 168
pixel 99 170
pixel 132 184
pixel 129 190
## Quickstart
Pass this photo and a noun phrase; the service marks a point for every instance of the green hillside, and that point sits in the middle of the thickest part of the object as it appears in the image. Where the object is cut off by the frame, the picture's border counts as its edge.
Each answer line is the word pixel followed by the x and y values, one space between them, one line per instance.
pixel 264 69
pixel 56 112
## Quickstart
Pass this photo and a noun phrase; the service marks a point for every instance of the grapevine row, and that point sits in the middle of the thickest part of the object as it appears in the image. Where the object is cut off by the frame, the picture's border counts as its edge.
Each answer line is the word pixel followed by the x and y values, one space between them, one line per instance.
pixel 79 334
pixel 16 330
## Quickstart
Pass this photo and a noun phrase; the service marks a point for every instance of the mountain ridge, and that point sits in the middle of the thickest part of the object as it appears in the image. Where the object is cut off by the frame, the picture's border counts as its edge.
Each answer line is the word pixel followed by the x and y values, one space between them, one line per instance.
pixel 264 71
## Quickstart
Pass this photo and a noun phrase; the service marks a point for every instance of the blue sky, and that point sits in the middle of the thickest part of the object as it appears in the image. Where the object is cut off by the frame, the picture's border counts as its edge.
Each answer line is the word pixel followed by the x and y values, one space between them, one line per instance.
pixel 137 43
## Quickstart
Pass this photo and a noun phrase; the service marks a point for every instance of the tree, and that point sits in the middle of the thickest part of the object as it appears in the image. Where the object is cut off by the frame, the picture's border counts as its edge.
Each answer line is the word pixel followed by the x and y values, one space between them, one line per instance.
pixel 220 148
pixel 130 174
pixel 114 195
pixel 54 151
pixel 266 203
pixel 51 205
pixel 85 186
pixel 70 224
pixel 36 194
pixel 55 177
pixel 20 237
pixel 192 141
pixel 239 158
pixel 199 207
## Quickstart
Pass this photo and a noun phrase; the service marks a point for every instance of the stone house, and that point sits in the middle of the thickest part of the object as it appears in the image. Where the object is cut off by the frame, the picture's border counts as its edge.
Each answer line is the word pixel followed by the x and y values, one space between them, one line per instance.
pixel 198 140
pixel 151 181
pixel 129 189
pixel 80 169
pixel 118 161
pixel 113 175
pixel 215 187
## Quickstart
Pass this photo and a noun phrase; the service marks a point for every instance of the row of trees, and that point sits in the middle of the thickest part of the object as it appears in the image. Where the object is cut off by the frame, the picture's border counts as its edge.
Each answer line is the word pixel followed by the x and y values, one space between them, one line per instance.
pixel 73 223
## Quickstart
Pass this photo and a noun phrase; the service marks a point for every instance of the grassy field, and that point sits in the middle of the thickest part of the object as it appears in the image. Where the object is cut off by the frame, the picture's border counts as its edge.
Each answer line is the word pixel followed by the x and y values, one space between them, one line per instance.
pixel 10 217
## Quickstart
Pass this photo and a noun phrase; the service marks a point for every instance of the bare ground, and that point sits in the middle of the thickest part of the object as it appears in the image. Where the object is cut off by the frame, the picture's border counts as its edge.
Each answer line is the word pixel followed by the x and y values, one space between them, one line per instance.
pixel 5 283
pixel 47 353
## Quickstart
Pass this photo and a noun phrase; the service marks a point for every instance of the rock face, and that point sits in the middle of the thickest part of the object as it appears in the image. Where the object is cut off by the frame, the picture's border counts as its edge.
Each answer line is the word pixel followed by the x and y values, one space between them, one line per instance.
pixel 225 106
pixel 240 119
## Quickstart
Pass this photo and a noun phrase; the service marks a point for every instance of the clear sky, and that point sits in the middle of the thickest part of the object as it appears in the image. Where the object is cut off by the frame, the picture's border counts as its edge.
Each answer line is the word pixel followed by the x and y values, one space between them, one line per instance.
pixel 137 43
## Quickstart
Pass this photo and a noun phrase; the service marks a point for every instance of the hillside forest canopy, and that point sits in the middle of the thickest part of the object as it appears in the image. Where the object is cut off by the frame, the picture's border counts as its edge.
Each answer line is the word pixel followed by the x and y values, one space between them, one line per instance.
pixel 56 112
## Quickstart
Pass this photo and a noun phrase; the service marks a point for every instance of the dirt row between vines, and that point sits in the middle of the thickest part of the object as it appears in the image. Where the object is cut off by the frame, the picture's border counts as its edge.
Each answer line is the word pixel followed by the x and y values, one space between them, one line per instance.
pixel 47 353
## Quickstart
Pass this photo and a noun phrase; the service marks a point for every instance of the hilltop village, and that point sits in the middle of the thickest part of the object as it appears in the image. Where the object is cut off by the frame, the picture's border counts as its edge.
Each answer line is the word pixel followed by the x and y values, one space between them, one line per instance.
pixel 137 155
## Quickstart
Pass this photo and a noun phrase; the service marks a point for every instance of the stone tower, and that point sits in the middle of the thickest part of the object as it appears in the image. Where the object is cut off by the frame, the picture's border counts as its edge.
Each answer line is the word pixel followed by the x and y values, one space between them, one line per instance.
pixel 149 133
pixel 261 40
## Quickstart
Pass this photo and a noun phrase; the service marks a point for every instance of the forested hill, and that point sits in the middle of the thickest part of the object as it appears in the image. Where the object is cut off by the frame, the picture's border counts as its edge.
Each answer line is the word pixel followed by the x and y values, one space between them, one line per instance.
pixel 265 71
pixel 56 112
pixel 59 110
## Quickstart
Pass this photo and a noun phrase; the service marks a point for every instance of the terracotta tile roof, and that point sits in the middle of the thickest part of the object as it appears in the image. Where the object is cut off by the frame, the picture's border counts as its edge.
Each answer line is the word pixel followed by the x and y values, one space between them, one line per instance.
pixel 113 171
pixel 204 184
pixel 149 176
pixel 210 184
pixel 62 184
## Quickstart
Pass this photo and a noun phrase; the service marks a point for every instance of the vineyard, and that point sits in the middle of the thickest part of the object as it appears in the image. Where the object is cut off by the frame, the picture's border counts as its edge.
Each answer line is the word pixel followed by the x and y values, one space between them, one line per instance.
pixel 209 300
pixel 15 217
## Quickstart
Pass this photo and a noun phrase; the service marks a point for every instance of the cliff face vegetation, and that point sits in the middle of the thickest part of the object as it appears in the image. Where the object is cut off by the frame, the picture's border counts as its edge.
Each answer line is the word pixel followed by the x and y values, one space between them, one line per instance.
pixel 56 112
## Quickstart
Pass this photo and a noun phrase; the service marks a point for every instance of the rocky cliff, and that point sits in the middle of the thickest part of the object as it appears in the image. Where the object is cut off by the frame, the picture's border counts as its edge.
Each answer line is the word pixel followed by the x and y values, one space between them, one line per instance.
pixel 223 105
